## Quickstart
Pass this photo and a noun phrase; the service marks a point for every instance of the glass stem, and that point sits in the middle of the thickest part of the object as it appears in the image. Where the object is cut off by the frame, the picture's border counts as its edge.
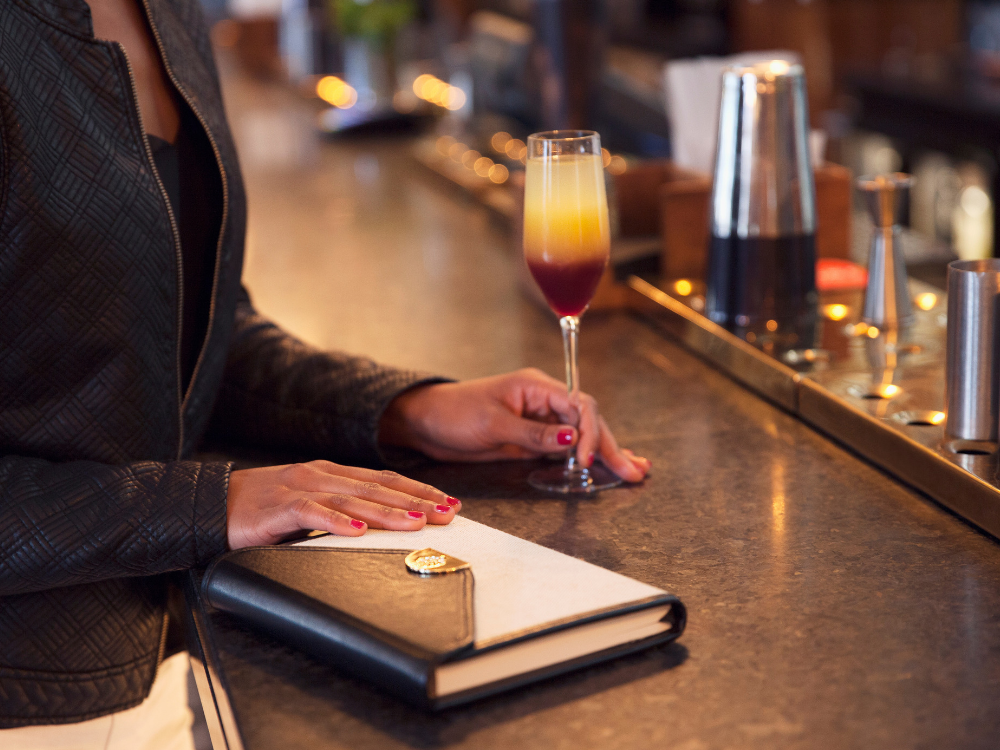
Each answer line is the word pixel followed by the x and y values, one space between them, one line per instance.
pixel 570 325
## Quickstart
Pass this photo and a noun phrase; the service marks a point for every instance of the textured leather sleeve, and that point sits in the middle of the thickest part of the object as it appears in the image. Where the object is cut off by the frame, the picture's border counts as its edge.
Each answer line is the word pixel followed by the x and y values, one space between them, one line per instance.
pixel 63 524
pixel 278 392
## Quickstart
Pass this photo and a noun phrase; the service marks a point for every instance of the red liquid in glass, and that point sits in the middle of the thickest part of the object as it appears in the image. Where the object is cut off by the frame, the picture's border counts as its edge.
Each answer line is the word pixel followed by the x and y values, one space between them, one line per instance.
pixel 568 286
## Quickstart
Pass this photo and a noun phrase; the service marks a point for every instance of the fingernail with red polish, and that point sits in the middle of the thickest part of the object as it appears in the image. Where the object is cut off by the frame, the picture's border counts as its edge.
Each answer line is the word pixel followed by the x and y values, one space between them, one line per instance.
pixel 453 501
pixel 357 524
pixel 590 459
pixel 442 508
pixel 415 514
pixel 564 437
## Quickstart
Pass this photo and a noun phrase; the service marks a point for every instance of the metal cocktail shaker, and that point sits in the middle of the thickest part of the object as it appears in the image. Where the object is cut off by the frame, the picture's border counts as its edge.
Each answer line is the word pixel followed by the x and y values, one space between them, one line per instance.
pixel 762 254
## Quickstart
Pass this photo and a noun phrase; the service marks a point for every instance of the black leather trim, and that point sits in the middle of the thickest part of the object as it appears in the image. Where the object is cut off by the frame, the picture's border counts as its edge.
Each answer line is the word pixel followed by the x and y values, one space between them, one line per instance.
pixel 361 610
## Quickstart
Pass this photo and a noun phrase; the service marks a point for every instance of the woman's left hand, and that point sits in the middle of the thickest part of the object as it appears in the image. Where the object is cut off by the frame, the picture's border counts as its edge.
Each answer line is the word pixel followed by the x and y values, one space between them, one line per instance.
pixel 524 414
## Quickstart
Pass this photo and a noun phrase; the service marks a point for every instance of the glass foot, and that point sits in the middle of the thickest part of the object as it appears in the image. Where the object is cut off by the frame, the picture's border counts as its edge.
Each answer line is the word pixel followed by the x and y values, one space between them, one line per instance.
pixel 561 480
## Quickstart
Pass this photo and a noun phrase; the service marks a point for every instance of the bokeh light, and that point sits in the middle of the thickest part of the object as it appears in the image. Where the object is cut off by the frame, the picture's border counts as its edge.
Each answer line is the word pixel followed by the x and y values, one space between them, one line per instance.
pixel 337 92
pixel 482 166
pixel 498 173
pixel 499 140
pixel 835 312
pixel 617 165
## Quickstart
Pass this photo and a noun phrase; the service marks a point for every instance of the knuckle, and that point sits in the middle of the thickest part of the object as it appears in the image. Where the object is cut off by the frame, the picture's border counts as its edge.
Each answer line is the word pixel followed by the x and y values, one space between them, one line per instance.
pixel 337 501
pixel 301 507
pixel 387 514
pixel 367 489
pixel 321 465
pixel 295 472
pixel 388 477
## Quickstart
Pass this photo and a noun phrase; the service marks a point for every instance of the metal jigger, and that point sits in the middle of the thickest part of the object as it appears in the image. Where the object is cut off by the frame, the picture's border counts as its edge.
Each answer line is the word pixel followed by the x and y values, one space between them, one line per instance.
pixel 887 298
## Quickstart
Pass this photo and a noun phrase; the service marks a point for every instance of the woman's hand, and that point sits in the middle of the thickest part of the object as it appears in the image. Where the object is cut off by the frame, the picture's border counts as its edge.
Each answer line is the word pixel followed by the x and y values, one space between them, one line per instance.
pixel 524 414
pixel 268 504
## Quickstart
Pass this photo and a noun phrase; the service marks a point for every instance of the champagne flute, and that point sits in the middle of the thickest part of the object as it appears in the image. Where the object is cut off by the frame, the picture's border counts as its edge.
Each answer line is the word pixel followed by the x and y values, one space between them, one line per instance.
pixel 566 245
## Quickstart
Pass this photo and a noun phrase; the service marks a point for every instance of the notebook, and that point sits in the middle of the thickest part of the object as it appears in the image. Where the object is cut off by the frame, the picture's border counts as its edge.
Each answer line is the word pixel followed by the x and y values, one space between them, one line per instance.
pixel 444 615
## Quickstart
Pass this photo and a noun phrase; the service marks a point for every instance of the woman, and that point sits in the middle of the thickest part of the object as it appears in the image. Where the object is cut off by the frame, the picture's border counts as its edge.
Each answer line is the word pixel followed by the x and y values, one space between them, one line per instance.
pixel 127 337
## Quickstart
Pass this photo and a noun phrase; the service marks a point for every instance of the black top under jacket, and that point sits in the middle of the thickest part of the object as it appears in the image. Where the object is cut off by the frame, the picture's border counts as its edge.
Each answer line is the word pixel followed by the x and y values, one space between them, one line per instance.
pixel 194 191
pixel 98 496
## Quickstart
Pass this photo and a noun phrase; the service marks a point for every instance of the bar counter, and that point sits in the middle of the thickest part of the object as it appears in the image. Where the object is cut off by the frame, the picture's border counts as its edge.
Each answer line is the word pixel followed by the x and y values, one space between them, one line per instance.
pixel 829 605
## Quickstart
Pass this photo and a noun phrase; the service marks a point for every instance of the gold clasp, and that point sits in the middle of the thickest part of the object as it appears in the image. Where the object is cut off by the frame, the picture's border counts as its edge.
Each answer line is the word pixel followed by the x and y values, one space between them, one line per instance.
pixel 428 562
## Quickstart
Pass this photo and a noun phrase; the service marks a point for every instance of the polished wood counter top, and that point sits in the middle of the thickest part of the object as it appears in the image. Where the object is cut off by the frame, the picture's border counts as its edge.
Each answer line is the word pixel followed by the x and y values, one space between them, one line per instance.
pixel 829 606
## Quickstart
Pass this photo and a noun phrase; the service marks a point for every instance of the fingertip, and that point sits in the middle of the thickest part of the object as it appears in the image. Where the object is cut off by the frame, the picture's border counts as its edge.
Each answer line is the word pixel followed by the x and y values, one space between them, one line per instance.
pixel 357 527
pixel 442 515
pixel 640 462
pixel 628 470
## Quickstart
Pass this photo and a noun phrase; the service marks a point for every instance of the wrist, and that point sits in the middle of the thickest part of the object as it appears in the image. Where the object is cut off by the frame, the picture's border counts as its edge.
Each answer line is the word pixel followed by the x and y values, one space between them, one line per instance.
pixel 400 424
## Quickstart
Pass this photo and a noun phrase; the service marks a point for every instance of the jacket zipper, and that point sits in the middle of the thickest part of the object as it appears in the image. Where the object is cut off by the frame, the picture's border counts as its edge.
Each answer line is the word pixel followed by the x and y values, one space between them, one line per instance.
pixel 222 225
pixel 177 243
pixel 163 643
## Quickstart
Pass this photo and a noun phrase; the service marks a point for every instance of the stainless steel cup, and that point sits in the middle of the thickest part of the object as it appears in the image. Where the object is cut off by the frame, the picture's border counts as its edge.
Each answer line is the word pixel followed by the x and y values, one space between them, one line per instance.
pixel 973 375
pixel 762 256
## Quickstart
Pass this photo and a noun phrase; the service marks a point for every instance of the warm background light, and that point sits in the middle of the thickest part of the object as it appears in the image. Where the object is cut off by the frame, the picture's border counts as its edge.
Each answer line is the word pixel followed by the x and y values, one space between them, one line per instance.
pixel 444 144
pixel 333 90
pixel 499 140
pixel 835 312
pixel 513 148
pixel 498 173
pixel 617 165
pixel 432 89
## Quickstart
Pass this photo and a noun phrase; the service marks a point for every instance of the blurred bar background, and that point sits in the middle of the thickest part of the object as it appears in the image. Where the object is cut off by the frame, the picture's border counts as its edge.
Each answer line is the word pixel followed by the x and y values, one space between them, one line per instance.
pixel 909 85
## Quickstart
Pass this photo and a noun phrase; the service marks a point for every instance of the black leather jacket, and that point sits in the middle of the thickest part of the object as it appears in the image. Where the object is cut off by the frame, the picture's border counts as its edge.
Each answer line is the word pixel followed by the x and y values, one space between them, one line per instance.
pixel 97 501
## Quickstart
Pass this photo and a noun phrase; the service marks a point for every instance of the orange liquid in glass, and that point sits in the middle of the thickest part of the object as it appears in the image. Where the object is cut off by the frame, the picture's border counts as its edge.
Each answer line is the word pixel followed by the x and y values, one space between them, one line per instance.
pixel 566 234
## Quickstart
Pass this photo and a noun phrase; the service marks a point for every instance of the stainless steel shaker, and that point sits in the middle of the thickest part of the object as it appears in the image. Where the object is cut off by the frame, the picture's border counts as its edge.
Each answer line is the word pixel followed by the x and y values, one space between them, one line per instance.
pixel 762 252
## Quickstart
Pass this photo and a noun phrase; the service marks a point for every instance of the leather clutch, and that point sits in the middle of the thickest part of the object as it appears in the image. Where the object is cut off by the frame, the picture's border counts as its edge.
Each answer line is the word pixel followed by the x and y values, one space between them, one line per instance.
pixel 445 615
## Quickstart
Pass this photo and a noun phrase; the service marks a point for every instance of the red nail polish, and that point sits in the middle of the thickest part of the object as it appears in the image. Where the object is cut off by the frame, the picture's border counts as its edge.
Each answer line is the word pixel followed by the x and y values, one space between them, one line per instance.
pixel 415 514
pixel 590 459
pixel 357 524
pixel 564 437
pixel 442 508
pixel 453 501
